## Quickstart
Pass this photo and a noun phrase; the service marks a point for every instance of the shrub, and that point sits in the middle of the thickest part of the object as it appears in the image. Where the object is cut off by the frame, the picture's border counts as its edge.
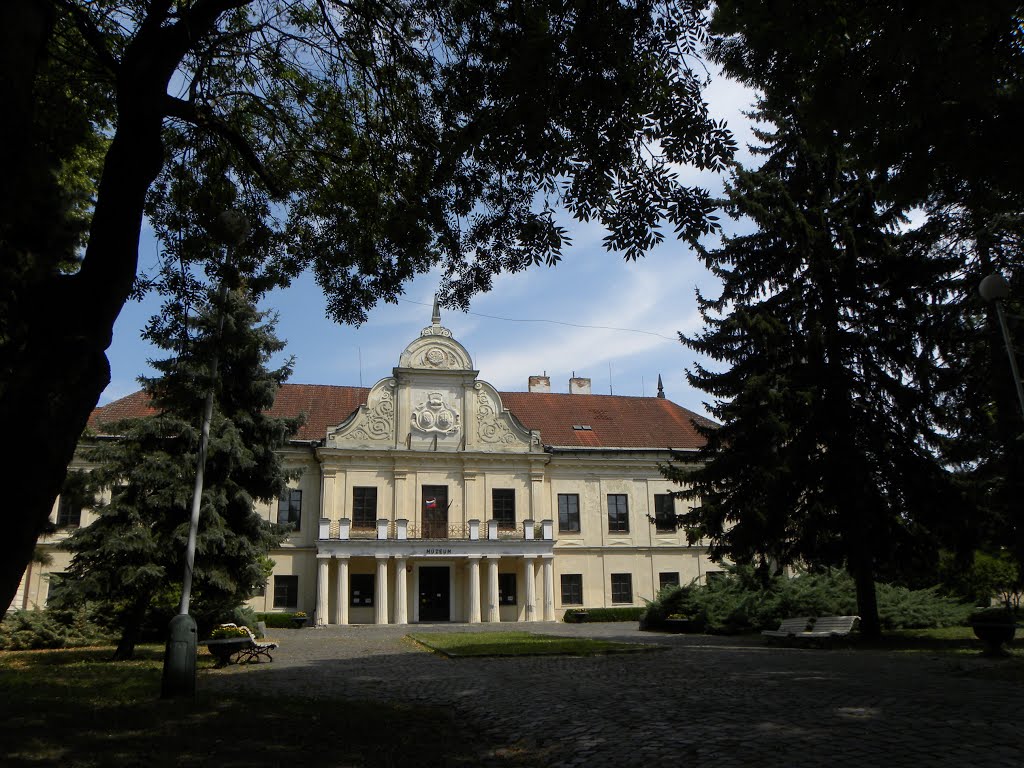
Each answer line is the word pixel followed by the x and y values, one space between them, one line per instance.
pixel 580 615
pixel 738 602
pixel 41 628
pixel 275 620
pixel 672 601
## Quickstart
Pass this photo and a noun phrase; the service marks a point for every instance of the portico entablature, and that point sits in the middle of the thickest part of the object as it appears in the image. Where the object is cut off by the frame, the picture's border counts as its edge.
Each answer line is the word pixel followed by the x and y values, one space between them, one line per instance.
pixel 434 548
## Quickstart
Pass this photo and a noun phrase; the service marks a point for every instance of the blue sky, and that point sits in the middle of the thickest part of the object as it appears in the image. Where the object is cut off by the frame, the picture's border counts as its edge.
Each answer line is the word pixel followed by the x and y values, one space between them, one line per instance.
pixel 590 292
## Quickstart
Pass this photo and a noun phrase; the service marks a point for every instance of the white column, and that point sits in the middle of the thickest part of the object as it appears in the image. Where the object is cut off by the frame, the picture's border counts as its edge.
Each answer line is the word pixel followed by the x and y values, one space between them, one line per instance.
pixel 549 589
pixel 401 601
pixel 381 592
pixel 474 589
pixel 492 589
pixel 531 589
pixel 341 592
pixel 322 576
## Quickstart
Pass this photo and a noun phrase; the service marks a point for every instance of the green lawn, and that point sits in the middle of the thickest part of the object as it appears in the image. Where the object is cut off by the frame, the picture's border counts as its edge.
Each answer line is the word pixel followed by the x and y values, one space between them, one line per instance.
pixel 75 709
pixel 458 644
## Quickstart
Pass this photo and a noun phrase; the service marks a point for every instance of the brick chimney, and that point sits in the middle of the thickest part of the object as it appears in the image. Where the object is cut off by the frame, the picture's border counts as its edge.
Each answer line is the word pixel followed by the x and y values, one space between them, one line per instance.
pixel 579 386
pixel 540 384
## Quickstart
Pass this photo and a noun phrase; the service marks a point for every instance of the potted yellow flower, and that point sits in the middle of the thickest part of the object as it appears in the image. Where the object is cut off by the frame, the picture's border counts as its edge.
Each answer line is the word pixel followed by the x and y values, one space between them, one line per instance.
pixel 300 619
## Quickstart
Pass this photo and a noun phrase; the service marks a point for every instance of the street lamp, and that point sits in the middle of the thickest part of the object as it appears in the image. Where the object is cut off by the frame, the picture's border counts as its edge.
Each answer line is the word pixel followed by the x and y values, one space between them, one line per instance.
pixel 995 288
pixel 179 677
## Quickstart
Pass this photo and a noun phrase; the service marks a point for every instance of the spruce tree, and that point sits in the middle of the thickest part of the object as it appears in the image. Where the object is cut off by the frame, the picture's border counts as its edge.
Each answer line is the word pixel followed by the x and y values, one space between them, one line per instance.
pixel 824 456
pixel 131 559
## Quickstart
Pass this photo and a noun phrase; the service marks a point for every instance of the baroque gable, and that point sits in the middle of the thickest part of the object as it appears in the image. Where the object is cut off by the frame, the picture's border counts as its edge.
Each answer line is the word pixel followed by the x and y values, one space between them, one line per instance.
pixel 373 424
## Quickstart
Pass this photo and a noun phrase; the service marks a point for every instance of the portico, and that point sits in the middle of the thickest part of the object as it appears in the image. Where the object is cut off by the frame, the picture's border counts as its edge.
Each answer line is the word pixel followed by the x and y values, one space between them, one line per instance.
pixel 452 579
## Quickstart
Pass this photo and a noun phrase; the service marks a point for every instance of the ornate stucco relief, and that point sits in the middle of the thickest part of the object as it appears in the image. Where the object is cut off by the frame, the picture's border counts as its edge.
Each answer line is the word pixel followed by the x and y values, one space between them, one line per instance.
pixel 373 422
pixel 434 415
pixel 495 427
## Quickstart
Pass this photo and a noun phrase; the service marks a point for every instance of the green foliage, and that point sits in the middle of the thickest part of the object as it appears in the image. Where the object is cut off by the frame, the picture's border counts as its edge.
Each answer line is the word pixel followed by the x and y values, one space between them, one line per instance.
pixel 988 576
pixel 739 602
pixel 29 630
pixel 276 620
pixel 582 615
pixel 674 601
pixel 131 558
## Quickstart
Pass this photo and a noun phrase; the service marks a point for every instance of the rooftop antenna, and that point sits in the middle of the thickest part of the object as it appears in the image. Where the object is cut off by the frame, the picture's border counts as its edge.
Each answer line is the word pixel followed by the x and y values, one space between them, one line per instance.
pixel 360 350
pixel 610 390
pixel 643 390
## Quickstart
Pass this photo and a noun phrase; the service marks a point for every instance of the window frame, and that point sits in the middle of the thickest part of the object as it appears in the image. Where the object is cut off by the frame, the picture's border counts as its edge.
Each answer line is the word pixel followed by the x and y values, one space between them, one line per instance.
pixel 286 586
pixel 663 582
pixel 577 587
pixel 503 500
pixel 622 588
pixel 292 497
pixel 359 506
pixel 618 518
pixel 665 518
pixel 564 512
pixel 70 509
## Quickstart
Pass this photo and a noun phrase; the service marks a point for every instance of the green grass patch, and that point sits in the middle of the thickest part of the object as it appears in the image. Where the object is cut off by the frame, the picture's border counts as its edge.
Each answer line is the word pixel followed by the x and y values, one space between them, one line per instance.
pixel 77 709
pixel 460 644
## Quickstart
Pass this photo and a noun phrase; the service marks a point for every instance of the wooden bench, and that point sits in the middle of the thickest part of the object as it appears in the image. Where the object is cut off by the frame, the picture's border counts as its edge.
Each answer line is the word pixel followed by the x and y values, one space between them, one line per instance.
pixel 813 628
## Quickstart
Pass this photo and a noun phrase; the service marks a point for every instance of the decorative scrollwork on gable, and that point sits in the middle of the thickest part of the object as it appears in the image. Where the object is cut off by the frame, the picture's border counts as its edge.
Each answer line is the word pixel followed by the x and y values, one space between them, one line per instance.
pixel 491 428
pixel 374 421
pixel 435 415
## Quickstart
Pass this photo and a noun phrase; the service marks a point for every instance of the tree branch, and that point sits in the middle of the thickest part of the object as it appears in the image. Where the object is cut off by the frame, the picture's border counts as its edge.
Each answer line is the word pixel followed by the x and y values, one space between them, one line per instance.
pixel 93 37
pixel 205 119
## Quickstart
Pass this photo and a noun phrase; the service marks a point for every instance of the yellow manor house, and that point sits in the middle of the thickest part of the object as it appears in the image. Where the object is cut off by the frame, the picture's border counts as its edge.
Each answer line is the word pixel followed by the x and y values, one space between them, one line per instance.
pixel 432 497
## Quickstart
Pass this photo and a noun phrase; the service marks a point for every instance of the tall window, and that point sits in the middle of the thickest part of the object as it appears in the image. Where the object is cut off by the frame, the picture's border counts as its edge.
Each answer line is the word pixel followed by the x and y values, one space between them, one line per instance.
pixel 364 507
pixel 618 513
pixel 622 588
pixel 360 588
pixel 55 582
pixel 289 508
pixel 286 591
pixel 503 507
pixel 69 513
pixel 568 513
pixel 664 513
pixel 506 589
pixel 572 589
pixel 668 579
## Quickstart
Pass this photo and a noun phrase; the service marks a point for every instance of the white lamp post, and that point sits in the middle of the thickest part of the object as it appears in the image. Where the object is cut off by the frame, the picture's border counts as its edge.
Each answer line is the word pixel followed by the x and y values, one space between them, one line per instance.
pixel 995 288
pixel 179 675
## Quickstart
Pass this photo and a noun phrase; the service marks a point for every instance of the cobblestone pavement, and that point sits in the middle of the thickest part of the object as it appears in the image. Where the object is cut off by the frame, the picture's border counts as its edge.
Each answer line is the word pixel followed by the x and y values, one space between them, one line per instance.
pixel 700 701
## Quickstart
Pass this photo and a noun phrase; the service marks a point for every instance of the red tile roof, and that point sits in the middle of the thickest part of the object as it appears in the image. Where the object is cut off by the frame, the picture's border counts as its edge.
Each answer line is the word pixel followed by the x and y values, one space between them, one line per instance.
pixel 614 421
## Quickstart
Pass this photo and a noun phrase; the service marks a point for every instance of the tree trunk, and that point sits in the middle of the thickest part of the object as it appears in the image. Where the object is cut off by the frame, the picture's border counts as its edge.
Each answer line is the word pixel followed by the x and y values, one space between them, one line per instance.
pixel 58 326
pixel 867 601
pixel 125 650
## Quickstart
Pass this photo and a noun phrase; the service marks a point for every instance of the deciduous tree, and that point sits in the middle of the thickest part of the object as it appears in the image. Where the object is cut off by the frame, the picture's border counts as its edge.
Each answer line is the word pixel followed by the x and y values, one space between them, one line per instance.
pixel 367 141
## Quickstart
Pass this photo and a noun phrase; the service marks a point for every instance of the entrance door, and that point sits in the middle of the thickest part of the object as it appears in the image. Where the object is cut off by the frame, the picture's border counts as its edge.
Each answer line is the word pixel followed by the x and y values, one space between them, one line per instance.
pixel 435 512
pixel 435 593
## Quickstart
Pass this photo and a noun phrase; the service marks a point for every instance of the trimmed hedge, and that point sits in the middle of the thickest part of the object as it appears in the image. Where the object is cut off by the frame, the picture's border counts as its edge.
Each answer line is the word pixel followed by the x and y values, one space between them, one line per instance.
pixel 581 615
pixel 276 620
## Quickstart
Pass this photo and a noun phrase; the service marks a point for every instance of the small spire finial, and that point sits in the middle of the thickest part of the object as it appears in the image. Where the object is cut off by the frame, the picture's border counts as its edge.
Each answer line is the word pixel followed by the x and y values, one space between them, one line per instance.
pixel 436 317
pixel 661 388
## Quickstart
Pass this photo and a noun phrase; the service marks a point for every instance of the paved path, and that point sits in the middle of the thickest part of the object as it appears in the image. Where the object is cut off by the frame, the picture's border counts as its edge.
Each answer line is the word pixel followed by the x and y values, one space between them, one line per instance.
pixel 707 701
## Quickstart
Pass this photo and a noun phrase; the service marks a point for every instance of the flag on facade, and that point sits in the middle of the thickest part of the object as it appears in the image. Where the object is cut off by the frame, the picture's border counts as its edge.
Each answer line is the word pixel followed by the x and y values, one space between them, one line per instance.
pixel 431 503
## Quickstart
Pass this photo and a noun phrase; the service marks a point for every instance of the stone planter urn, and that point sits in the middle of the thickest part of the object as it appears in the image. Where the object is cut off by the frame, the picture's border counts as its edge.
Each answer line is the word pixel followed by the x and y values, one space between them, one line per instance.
pixel 300 621
pixel 223 649
pixel 994 627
